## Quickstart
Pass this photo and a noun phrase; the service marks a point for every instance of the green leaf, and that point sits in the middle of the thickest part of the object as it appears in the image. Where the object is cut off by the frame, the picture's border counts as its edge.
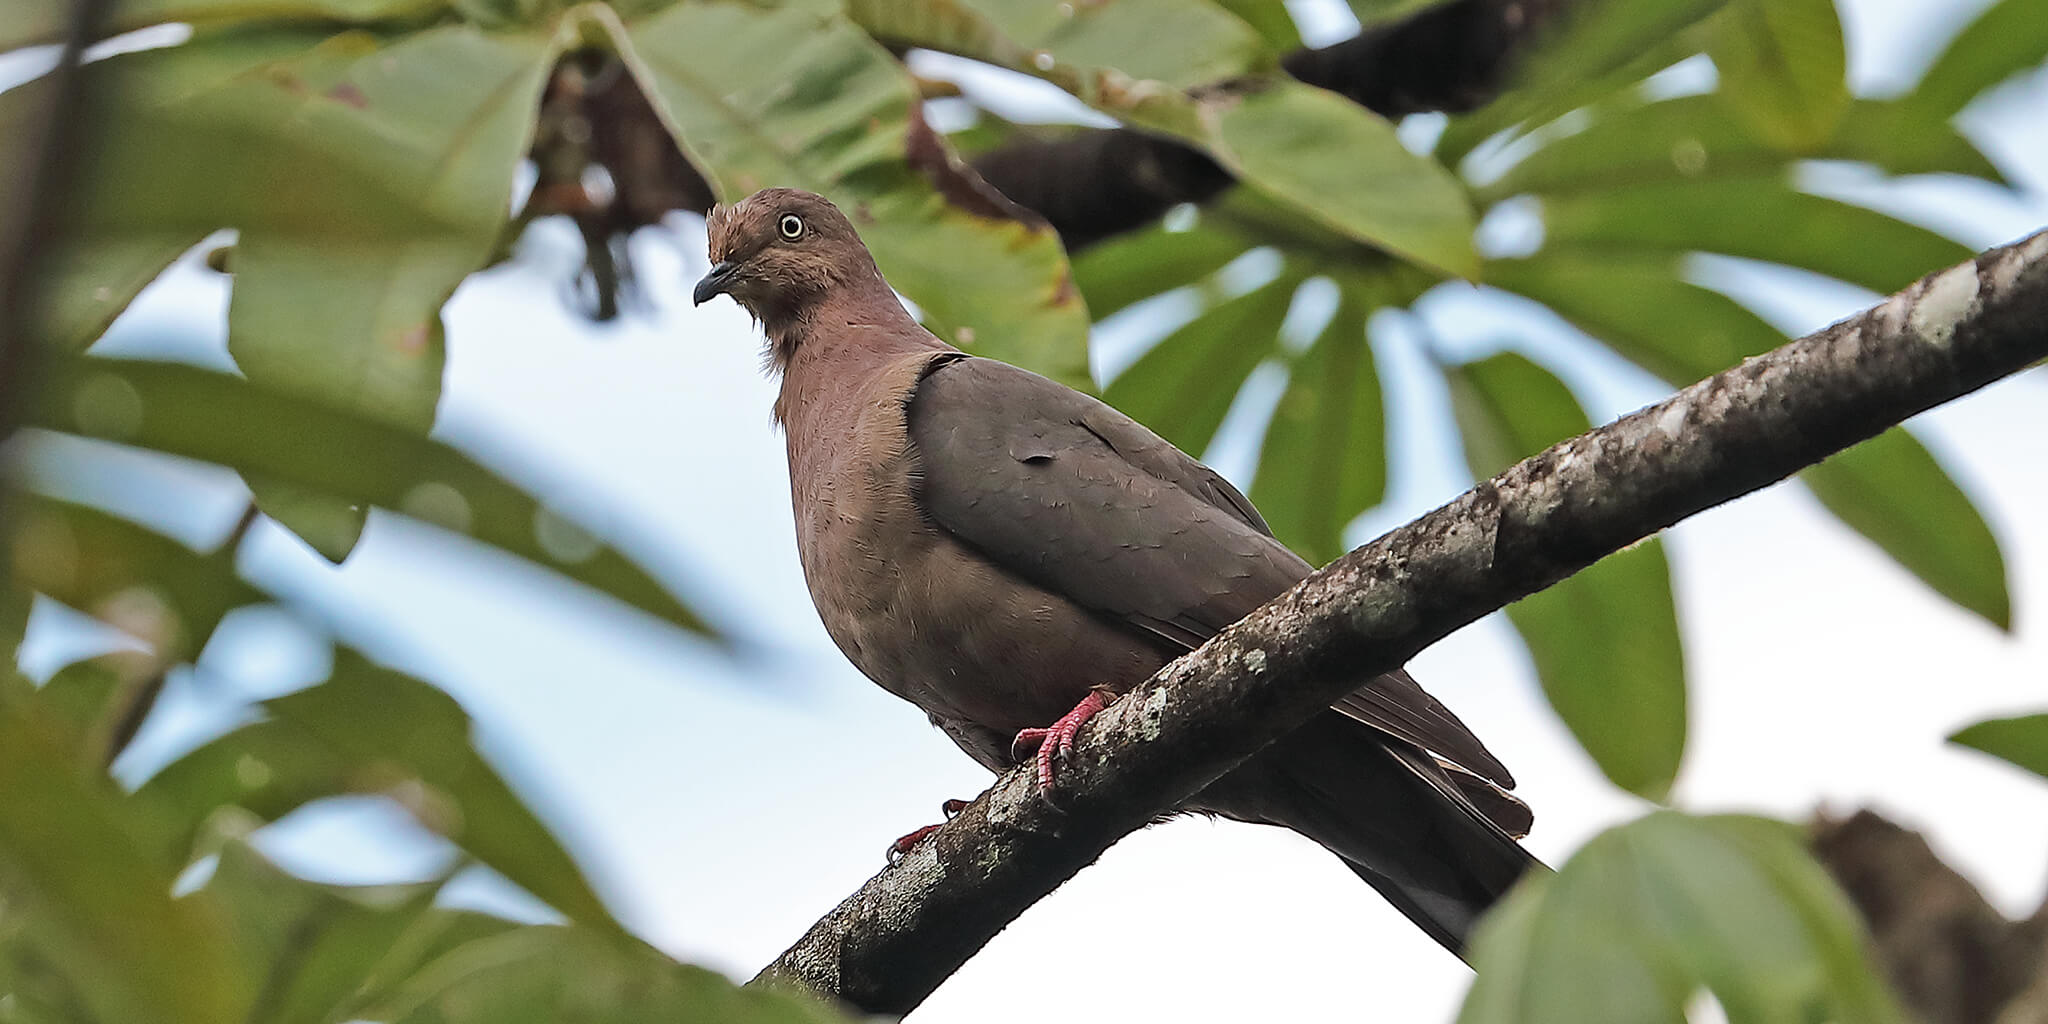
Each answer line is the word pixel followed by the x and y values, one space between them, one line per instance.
pixel 1604 46
pixel 1131 268
pixel 1893 491
pixel 115 238
pixel 369 729
pixel 1647 914
pixel 1083 47
pixel 32 22
pixel 1783 69
pixel 1344 166
pixel 347 311
pixel 571 976
pixel 88 559
pixel 1696 136
pixel 208 416
pixel 2022 740
pixel 2008 38
pixel 1636 304
pixel 1371 12
pixel 1272 21
pixel 313 944
pixel 1760 218
pixel 1325 455
pixel 1605 641
pixel 800 97
pixel 1183 386
pixel 76 879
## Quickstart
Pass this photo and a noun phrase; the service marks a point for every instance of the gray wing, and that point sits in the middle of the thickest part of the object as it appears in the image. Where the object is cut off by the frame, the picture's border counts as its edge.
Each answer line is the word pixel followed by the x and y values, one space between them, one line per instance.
pixel 1084 501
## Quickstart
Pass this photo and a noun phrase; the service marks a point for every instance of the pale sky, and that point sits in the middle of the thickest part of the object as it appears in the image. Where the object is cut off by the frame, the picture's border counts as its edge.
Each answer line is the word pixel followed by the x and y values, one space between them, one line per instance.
pixel 723 806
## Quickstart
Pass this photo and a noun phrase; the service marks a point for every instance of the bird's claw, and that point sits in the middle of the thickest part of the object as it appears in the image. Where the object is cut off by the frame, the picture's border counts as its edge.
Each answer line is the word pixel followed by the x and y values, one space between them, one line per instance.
pixel 907 843
pixel 1056 742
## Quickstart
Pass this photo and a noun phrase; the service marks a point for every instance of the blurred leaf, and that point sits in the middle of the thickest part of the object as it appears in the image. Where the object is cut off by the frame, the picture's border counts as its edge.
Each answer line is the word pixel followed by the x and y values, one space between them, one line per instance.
pixel 1605 641
pixel 1083 46
pixel 1696 136
pixel 1637 305
pixel 88 559
pixel 429 130
pixel 1371 12
pixel 1604 46
pixel 1345 167
pixel 2008 38
pixel 1325 455
pixel 313 944
pixel 800 97
pixel 369 729
pixel 2022 740
pixel 74 874
pixel 207 416
pixel 108 255
pixel 1130 268
pixel 1183 386
pixel 42 21
pixel 1760 218
pixel 1645 915
pixel 570 976
pixel 1891 490
pixel 1271 20
pixel 1783 69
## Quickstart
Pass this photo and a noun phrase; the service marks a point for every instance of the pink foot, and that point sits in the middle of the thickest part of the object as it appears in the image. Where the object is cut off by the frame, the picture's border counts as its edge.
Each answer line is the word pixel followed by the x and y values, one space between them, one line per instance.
pixel 904 845
pixel 1057 741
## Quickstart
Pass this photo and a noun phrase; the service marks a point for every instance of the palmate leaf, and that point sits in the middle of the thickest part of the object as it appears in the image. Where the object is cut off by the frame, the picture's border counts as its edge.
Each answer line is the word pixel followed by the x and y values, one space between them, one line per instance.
pixel 1630 143
pixel 208 416
pixel 1783 69
pixel 1753 217
pixel 1324 459
pixel 1318 153
pixel 369 729
pixel 798 96
pixel 1183 386
pixel 1121 271
pixel 1647 914
pixel 2022 740
pixel 1605 641
pixel 1890 488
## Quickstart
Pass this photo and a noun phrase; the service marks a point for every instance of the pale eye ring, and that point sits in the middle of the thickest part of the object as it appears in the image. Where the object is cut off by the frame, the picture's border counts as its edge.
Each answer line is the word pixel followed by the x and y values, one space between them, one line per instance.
pixel 791 226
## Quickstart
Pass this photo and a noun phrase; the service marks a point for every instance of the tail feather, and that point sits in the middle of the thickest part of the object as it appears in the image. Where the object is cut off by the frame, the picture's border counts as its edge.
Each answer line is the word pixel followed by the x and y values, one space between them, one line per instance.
pixel 1402 821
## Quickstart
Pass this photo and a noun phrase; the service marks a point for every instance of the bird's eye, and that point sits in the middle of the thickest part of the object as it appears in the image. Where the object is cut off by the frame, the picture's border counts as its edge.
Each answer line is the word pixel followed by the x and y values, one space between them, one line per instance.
pixel 791 226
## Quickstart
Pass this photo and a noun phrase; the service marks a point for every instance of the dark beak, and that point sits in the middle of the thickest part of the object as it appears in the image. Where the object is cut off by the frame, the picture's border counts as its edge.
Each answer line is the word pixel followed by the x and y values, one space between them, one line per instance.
pixel 715 283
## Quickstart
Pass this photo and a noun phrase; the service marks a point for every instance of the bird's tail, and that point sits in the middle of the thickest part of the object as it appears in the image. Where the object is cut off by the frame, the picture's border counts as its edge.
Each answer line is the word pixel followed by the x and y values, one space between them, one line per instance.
pixel 1432 839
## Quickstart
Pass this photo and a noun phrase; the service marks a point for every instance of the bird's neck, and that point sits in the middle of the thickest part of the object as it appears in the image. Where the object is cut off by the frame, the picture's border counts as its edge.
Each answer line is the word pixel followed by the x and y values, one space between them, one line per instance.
pixel 845 337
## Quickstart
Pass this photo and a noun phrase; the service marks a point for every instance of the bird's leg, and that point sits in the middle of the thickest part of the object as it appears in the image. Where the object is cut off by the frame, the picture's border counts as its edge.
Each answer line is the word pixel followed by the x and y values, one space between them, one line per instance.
pixel 904 845
pixel 1057 740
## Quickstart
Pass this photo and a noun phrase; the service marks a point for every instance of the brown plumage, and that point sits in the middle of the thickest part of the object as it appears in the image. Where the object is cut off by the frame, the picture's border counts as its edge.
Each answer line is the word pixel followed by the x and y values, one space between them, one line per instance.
pixel 989 545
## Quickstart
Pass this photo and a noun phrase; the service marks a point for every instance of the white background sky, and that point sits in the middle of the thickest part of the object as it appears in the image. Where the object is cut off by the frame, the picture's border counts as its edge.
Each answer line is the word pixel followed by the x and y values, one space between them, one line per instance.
pixel 724 805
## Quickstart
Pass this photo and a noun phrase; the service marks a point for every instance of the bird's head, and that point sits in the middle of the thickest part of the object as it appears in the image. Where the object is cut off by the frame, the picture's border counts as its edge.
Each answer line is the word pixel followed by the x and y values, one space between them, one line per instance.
pixel 779 251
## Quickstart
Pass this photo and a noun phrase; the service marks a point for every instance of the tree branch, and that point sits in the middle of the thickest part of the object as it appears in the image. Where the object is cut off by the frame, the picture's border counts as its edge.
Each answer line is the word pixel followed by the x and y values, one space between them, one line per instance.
pixel 890 944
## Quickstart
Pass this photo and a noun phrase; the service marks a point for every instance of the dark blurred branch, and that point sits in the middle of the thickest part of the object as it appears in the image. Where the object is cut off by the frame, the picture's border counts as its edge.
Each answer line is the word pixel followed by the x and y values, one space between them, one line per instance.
pixel 912 925
pixel 38 163
pixel 1949 955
